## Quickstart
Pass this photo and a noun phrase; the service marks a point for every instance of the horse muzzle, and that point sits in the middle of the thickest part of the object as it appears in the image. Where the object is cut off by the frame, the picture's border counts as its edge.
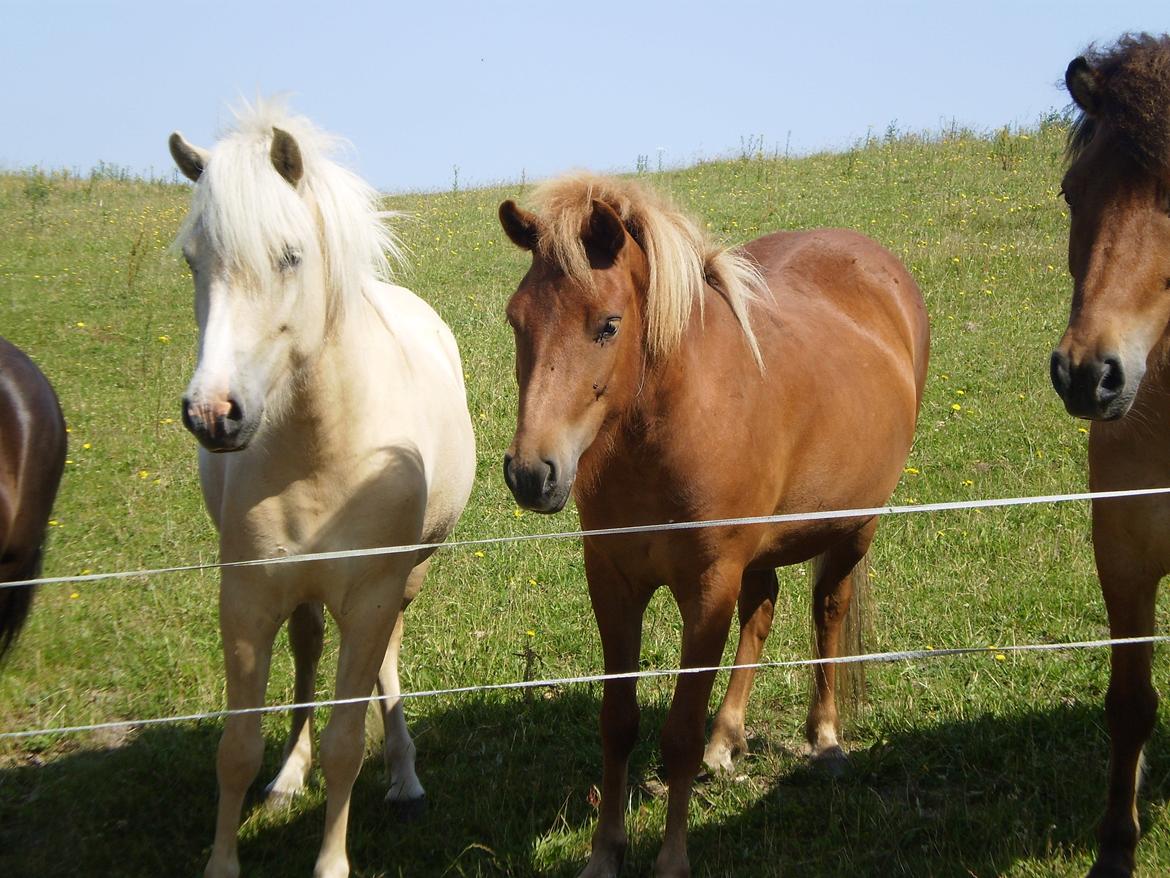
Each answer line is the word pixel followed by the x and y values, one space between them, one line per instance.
pixel 539 485
pixel 220 427
pixel 1096 388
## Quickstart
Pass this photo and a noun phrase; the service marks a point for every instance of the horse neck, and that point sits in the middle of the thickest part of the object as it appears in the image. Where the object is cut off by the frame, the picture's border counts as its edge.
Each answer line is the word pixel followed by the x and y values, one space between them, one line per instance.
pixel 639 429
pixel 1156 383
pixel 330 385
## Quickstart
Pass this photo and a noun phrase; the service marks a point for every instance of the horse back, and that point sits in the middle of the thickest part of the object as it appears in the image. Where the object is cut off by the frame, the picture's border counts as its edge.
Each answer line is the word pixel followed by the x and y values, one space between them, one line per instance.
pixel 824 280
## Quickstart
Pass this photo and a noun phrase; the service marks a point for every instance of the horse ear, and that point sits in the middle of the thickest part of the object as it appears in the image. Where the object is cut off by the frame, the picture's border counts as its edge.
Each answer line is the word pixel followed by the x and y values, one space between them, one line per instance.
pixel 604 231
pixel 1081 81
pixel 190 159
pixel 521 226
pixel 286 156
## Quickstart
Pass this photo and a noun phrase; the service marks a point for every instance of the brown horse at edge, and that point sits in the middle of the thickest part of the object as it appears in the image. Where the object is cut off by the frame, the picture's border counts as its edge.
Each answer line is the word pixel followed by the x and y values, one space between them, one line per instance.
pixel 32 458
pixel 1111 367
pixel 662 378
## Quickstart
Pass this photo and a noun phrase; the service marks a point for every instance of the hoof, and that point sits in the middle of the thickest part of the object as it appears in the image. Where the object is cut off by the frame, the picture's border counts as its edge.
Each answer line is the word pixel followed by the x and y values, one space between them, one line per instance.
pixel 407 810
pixel 717 762
pixel 721 753
pixel 604 863
pixel 1114 869
pixel 672 869
pixel 832 761
pixel 279 798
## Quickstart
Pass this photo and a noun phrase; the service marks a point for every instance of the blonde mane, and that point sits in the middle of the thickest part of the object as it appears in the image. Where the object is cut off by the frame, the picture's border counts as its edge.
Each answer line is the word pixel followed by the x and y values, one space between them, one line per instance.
pixel 682 257
pixel 251 215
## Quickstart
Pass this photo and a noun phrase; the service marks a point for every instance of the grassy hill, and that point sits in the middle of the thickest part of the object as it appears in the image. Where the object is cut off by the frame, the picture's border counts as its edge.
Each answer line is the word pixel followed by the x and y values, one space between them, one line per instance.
pixel 973 766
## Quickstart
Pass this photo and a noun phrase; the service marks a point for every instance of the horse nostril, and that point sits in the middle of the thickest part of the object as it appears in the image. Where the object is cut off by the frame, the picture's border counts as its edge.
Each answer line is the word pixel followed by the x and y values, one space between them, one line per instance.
pixel 185 413
pixel 235 412
pixel 1112 378
pixel 1059 372
pixel 551 478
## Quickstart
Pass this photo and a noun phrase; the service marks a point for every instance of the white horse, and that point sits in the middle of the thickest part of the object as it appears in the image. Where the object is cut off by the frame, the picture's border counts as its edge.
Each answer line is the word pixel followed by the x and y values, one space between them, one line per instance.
pixel 341 401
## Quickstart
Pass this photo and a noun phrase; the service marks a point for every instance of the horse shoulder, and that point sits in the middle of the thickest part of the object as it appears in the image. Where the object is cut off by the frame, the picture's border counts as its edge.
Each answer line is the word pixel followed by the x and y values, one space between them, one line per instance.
pixel 418 326
pixel 430 345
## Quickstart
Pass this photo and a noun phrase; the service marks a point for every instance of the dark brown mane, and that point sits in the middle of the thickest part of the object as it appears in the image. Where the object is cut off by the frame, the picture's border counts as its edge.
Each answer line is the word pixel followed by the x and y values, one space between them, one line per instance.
pixel 1132 99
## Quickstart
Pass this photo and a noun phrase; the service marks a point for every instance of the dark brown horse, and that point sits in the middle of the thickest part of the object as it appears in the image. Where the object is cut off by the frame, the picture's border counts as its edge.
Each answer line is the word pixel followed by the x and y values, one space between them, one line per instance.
pixel 32 456
pixel 665 379
pixel 1111 367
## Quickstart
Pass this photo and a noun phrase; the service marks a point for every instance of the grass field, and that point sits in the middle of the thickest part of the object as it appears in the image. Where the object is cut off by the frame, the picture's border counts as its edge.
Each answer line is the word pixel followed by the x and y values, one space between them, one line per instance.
pixel 973 766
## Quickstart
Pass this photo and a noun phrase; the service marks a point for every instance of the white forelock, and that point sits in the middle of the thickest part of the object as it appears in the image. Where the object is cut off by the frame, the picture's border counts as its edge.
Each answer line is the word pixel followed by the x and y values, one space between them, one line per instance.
pixel 251 215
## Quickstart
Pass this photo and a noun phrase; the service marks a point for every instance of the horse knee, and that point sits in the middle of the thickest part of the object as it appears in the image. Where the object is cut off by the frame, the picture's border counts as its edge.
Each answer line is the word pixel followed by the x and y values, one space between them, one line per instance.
pixel 241 750
pixel 1131 710
pixel 619 723
pixel 340 751
pixel 682 747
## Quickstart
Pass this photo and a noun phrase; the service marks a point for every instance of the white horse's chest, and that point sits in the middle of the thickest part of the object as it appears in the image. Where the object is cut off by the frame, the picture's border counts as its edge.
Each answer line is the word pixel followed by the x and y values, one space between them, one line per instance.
pixel 266 503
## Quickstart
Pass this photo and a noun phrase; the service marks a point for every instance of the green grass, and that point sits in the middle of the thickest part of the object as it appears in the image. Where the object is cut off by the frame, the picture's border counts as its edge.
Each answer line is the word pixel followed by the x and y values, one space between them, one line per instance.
pixel 961 767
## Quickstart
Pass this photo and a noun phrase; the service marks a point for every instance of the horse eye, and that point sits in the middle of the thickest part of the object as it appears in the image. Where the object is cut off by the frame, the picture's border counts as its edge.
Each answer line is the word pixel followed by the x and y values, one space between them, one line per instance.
pixel 290 259
pixel 609 330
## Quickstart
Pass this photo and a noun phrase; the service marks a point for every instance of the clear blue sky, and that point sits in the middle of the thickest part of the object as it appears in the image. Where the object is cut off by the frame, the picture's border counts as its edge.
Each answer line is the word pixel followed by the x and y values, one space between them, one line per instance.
pixel 504 88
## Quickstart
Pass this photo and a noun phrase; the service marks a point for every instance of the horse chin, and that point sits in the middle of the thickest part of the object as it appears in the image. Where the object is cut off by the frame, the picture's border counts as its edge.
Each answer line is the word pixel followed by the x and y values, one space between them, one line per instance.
pixel 1116 409
pixel 551 503
pixel 217 446
pixel 224 449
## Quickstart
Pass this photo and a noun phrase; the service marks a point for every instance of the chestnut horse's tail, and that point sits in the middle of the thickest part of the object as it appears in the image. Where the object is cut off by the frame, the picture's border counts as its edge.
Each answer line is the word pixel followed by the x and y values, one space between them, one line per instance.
pixel 850 678
pixel 854 631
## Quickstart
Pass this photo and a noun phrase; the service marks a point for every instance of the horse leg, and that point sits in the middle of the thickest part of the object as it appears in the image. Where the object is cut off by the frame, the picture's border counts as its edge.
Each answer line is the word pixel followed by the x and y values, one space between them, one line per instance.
pixel 757 603
pixel 306 635
pixel 365 622
pixel 706 609
pixel 247 626
pixel 406 793
pixel 832 591
pixel 1131 704
pixel 619 609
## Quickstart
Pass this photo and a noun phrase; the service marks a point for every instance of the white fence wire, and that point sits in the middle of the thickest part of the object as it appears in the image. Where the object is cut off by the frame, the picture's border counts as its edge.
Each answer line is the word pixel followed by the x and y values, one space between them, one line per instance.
pixel 895 656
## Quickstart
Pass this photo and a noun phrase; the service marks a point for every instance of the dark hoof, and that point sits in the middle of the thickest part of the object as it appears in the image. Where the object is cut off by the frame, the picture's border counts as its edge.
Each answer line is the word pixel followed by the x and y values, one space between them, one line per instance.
pixel 408 810
pixel 832 761
pixel 1110 869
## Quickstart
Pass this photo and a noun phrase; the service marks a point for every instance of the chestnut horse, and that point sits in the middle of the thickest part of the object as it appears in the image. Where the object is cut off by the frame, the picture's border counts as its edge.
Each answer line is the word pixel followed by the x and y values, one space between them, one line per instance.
pixel 32 457
pixel 1111 367
pixel 663 378
pixel 331 412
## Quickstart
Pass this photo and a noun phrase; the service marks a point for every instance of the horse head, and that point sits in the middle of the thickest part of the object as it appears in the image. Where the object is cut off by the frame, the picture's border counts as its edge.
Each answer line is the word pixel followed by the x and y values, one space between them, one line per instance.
pixel 1118 191
pixel 579 347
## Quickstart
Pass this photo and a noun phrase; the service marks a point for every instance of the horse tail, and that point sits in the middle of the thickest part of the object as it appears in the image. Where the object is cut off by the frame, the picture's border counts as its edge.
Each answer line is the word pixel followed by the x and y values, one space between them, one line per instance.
pixel 855 627
pixel 854 630
pixel 15 601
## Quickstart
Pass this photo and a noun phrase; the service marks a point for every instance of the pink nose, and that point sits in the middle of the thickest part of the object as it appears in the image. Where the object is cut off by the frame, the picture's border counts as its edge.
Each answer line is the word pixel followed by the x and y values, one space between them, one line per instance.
pixel 220 425
pixel 210 413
